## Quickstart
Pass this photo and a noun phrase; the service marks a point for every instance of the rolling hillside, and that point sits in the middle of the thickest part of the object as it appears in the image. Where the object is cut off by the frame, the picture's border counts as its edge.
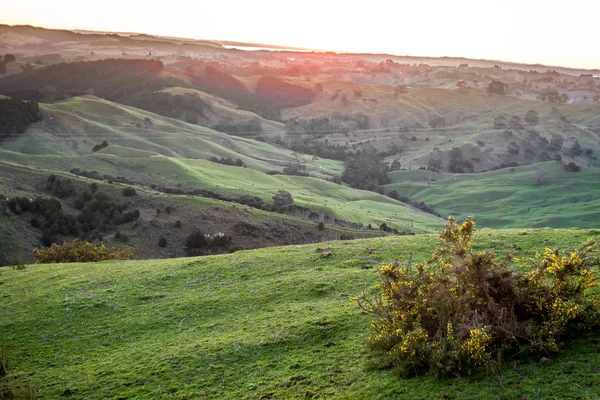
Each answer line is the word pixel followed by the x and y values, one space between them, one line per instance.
pixel 73 127
pixel 319 195
pixel 274 323
pixel 534 196
pixel 465 119
pixel 173 217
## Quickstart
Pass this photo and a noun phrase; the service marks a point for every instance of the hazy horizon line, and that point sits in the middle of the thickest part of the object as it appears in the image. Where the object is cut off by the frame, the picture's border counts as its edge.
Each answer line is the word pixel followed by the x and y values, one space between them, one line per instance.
pixel 268 46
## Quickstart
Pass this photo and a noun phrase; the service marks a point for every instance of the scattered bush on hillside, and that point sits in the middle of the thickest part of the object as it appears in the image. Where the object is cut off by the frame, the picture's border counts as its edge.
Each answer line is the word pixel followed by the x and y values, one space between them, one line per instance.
pixel 282 198
pixel 296 169
pixel 531 117
pixel 458 164
pixel 59 188
pixel 198 243
pixel 367 172
pixel 129 192
pixel 464 311
pixel 436 121
pixel 98 147
pixel 79 251
pixel 228 161
pixel 321 226
pixel 393 194
pixel 571 167
pixel 98 212
pixel 497 87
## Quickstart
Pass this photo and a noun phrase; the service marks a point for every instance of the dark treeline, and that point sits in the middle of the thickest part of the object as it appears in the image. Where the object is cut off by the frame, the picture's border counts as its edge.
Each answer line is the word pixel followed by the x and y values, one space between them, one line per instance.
pixel 187 107
pixel 111 79
pixel 283 93
pixel 227 86
pixel 136 82
pixel 16 116
pixel 272 93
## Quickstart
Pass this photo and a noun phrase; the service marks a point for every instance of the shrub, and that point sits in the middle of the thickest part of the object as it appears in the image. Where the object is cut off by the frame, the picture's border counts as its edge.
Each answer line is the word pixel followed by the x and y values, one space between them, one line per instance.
pixel 571 167
pixel 78 251
pixel 468 311
pixel 393 194
pixel 196 240
pixel 321 226
pixel 162 242
pixel 282 198
pixel 128 192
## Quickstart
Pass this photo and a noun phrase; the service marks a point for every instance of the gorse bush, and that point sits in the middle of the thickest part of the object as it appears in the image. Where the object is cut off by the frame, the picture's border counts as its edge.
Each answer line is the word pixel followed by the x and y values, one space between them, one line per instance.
pixel 464 310
pixel 78 251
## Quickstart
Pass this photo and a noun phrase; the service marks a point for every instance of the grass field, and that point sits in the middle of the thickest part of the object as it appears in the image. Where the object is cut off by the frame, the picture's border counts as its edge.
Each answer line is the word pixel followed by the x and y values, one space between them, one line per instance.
pixel 509 197
pixel 317 194
pixel 73 127
pixel 273 323
pixel 222 109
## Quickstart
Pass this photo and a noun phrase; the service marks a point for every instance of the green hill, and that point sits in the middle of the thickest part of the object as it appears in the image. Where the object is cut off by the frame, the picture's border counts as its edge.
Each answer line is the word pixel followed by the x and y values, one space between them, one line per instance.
pixel 73 127
pixel 222 112
pixel 273 323
pixel 534 196
pixel 317 194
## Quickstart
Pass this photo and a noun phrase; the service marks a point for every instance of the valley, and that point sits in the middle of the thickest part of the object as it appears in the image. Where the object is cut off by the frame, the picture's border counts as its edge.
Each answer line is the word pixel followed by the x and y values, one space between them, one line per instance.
pixel 261 187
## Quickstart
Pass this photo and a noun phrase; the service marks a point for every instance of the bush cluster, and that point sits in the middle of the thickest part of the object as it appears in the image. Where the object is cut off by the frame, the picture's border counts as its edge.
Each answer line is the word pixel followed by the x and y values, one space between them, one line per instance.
pixel 198 243
pixel 468 311
pixel 80 251
pixel 98 212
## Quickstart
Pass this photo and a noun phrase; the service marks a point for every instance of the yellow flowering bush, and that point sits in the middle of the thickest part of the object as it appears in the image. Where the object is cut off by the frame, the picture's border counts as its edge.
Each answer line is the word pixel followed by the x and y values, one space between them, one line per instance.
pixel 78 251
pixel 464 310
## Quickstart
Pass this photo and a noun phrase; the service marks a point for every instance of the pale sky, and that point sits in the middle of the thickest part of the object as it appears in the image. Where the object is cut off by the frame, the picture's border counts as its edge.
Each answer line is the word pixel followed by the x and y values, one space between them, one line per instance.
pixel 532 31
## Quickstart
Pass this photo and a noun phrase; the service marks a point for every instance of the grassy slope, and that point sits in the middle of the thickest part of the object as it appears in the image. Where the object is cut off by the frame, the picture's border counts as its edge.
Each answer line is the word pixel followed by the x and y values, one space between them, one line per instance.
pixel 509 197
pixel 253 324
pixel 72 128
pixel 319 195
pixel 223 109
pixel 414 105
pixel 469 115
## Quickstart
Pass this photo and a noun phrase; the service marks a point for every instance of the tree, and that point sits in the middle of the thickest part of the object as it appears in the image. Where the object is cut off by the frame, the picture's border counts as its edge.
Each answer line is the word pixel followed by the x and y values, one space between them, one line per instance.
pixel 515 123
pixel 9 58
pixel 434 164
pixel 497 87
pixel 500 122
pixel 395 165
pixel 282 198
pixel 532 118
pixel 436 120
